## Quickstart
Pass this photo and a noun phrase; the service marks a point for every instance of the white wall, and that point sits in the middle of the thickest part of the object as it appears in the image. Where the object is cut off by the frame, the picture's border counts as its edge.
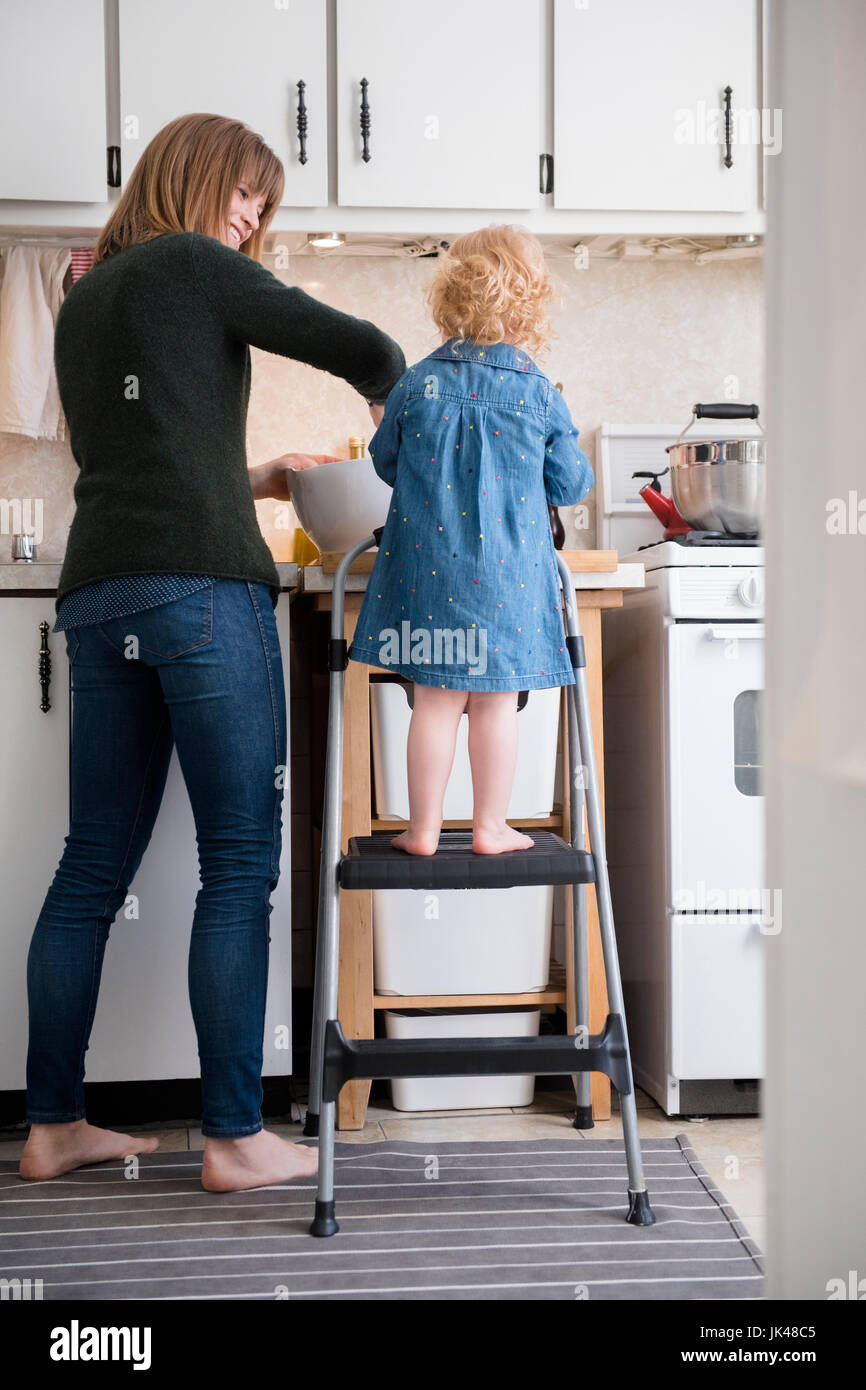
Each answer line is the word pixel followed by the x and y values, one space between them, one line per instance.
pixel 816 651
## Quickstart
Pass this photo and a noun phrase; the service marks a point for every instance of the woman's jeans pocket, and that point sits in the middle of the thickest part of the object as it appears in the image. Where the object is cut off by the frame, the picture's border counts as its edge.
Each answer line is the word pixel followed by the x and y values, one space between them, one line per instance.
pixel 166 632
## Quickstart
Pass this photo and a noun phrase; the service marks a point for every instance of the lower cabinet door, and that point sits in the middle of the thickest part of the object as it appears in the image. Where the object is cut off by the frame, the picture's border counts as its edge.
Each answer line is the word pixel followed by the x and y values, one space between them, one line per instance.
pixel 717 996
pixel 143 1029
pixel 34 804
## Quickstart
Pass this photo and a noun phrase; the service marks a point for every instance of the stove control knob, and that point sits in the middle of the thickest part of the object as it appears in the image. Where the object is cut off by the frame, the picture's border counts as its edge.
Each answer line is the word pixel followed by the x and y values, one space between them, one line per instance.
pixel 751 590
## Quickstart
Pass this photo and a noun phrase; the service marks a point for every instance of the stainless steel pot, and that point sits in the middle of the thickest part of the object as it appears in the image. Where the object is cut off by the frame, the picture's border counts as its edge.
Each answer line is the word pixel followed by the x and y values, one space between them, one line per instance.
pixel 720 484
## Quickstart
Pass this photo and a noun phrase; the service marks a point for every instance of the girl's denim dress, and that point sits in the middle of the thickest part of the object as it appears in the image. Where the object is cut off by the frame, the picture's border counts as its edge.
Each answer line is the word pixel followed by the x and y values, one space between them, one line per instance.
pixel 464 591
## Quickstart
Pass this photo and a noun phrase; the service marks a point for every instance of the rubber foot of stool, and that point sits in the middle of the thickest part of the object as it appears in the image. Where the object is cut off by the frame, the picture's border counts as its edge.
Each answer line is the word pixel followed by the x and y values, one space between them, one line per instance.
pixel 640 1213
pixel 324 1224
pixel 583 1118
pixel 311 1126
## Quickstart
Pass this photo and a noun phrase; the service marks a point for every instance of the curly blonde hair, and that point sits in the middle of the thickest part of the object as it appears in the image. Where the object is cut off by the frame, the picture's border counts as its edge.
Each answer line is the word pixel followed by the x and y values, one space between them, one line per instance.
pixel 492 286
pixel 184 181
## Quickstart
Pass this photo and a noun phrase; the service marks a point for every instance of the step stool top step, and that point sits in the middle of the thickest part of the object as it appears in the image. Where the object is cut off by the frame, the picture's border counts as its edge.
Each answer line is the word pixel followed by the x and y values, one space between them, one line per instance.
pixel 372 862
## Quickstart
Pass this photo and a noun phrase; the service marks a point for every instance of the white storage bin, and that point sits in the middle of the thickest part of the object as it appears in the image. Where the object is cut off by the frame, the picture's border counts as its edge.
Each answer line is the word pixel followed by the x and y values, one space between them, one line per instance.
pixel 462 940
pixel 532 793
pixel 462 1092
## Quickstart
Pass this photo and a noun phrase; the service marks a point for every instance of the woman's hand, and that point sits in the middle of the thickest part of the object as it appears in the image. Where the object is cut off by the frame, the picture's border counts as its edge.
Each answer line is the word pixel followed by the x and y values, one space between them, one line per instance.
pixel 269 479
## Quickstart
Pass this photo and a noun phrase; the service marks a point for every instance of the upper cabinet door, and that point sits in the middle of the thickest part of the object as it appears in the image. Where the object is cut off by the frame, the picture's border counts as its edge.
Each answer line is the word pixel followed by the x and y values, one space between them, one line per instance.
pixel 234 59
pixel 453 101
pixel 52 101
pixel 639 105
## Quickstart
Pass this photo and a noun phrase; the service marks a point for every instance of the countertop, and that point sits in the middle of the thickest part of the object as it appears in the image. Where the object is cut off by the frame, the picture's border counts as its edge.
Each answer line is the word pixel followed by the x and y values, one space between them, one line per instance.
pixel 41 576
pixel 315 580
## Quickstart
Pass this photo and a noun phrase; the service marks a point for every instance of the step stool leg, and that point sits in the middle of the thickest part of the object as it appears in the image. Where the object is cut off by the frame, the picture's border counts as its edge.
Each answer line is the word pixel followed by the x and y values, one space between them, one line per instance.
pixel 640 1212
pixel 317 1031
pixel 324 1223
pixel 580 952
pixel 326 989
pixel 328 951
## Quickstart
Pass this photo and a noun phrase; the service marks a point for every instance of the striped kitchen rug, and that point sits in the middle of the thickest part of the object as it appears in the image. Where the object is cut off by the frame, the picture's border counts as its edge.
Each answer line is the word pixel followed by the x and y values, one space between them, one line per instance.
pixel 539 1219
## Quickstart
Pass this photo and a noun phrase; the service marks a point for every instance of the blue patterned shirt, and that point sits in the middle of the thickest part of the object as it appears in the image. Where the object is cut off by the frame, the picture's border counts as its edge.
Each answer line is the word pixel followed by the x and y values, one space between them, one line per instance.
pixel 123 594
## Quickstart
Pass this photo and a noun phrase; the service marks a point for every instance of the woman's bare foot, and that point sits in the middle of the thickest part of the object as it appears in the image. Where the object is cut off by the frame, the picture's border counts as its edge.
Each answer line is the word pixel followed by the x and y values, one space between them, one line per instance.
pixel 54 1149
pixel 417 841
pixel 498 840
pixel 254 1160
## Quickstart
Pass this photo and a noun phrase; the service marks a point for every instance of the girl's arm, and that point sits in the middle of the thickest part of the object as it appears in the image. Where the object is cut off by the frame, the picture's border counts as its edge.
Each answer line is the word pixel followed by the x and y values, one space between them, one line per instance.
pixel 384 447
pixel 255 307
pixel 568 475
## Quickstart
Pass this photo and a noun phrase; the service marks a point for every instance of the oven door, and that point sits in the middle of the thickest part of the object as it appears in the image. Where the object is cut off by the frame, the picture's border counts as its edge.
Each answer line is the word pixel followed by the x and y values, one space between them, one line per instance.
pixel 715 804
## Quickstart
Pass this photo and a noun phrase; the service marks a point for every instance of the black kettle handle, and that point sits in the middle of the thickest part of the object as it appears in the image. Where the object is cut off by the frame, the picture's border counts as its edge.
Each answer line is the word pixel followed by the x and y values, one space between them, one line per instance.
pixel 726 410
pixel 655 484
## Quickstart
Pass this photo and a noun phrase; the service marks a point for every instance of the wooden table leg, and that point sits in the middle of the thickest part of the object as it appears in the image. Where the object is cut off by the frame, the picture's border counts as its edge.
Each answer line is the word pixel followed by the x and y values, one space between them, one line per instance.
pixel 356 908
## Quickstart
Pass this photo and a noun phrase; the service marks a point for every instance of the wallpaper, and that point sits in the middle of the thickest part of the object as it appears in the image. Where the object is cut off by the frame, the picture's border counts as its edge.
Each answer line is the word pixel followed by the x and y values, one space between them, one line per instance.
pixel 634 342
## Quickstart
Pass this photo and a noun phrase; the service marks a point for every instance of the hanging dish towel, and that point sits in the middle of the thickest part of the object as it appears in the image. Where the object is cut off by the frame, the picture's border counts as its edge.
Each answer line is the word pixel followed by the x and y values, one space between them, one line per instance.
pixel 30 297
pixel 81 260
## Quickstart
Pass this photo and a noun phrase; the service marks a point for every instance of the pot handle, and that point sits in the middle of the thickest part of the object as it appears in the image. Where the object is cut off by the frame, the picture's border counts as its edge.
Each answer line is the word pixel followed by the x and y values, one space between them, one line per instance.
pixel 726 410
pixel 721 410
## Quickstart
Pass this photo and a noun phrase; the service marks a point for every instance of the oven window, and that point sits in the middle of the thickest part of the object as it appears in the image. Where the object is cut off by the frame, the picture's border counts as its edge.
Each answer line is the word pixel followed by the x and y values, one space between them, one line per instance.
pixel 747 742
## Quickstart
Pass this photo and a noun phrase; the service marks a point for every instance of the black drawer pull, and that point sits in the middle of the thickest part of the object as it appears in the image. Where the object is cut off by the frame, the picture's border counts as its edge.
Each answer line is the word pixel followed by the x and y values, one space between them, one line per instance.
pixel 728 128
pixel 365 121
pixel 44 667
pixel 302 123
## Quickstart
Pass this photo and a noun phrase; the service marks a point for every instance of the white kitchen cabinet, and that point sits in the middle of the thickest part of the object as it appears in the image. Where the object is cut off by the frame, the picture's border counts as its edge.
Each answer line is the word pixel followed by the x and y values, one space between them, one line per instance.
pixel 454 100
pixel 463 101
pixel 52 101
pixel 636 87
pixel 34 805
pixel 143 1028
pixel 234 59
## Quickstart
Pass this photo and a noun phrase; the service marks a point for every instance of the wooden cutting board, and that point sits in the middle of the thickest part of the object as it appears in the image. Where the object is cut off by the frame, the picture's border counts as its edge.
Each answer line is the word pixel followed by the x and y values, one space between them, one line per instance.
pixel 578 561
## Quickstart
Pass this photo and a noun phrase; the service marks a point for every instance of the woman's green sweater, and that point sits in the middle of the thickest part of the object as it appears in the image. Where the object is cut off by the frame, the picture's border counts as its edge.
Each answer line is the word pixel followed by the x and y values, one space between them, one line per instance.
pixel 153 367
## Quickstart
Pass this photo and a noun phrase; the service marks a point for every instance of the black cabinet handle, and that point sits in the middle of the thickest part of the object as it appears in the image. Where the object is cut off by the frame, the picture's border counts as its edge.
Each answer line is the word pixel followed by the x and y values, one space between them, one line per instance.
pixel 365 121
pixel 44 667
pixel 302 123
pixel 728 128
pixel 113 166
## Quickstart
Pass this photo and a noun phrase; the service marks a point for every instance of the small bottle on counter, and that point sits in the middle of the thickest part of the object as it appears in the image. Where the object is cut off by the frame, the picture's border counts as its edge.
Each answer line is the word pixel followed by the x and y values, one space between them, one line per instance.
pixel 357 446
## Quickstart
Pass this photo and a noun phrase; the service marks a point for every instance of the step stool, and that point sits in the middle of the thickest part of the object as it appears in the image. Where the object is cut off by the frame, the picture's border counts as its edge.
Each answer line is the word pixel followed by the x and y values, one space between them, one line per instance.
pixel 371 862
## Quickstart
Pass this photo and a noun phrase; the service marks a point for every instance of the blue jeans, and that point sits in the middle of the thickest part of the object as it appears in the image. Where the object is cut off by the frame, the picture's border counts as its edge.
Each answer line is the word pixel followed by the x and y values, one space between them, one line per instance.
pixel 203 673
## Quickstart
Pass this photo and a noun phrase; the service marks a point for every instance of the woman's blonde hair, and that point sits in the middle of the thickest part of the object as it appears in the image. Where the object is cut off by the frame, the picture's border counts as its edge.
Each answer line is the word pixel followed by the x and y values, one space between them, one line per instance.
pixel 493 285
pixel 185 179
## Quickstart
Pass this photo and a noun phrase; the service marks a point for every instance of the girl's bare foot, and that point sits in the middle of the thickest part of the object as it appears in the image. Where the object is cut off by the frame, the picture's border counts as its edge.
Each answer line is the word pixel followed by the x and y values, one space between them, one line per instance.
pixel 498 840
pixel 54 1149
pixel 417 841
pixel 254 1160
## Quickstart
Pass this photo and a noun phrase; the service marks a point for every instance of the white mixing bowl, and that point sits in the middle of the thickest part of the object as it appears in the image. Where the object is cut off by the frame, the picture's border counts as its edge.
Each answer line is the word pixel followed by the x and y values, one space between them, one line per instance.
pixel 338 504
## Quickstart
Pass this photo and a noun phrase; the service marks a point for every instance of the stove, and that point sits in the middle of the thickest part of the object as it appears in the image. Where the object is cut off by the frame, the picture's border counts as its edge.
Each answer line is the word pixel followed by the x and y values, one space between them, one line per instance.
pixel 699 548
pixel 683 672
pixel 692 539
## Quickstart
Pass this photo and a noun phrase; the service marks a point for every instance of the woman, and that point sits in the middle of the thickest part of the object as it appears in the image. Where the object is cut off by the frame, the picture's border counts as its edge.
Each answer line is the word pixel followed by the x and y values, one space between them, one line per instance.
pixel 167 597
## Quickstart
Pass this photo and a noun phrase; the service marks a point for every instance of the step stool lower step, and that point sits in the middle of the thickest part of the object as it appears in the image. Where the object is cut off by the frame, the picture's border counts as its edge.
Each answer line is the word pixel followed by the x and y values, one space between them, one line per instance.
pixel 378 1058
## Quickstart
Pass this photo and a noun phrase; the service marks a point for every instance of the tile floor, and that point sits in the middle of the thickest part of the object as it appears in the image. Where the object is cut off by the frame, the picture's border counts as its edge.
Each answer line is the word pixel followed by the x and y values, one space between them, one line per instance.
pixel 731 1150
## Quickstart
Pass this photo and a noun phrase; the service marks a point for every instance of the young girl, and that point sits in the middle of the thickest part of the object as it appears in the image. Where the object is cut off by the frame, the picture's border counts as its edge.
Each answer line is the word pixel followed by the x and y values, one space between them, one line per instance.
pixel 464 597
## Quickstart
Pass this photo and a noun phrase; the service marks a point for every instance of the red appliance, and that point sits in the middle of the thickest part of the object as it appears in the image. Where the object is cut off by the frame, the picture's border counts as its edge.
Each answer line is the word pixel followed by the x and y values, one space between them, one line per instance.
pixel 662 506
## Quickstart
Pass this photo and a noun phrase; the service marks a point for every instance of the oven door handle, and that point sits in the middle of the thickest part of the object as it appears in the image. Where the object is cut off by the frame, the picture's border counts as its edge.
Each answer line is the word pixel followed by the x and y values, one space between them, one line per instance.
pixel 751 631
